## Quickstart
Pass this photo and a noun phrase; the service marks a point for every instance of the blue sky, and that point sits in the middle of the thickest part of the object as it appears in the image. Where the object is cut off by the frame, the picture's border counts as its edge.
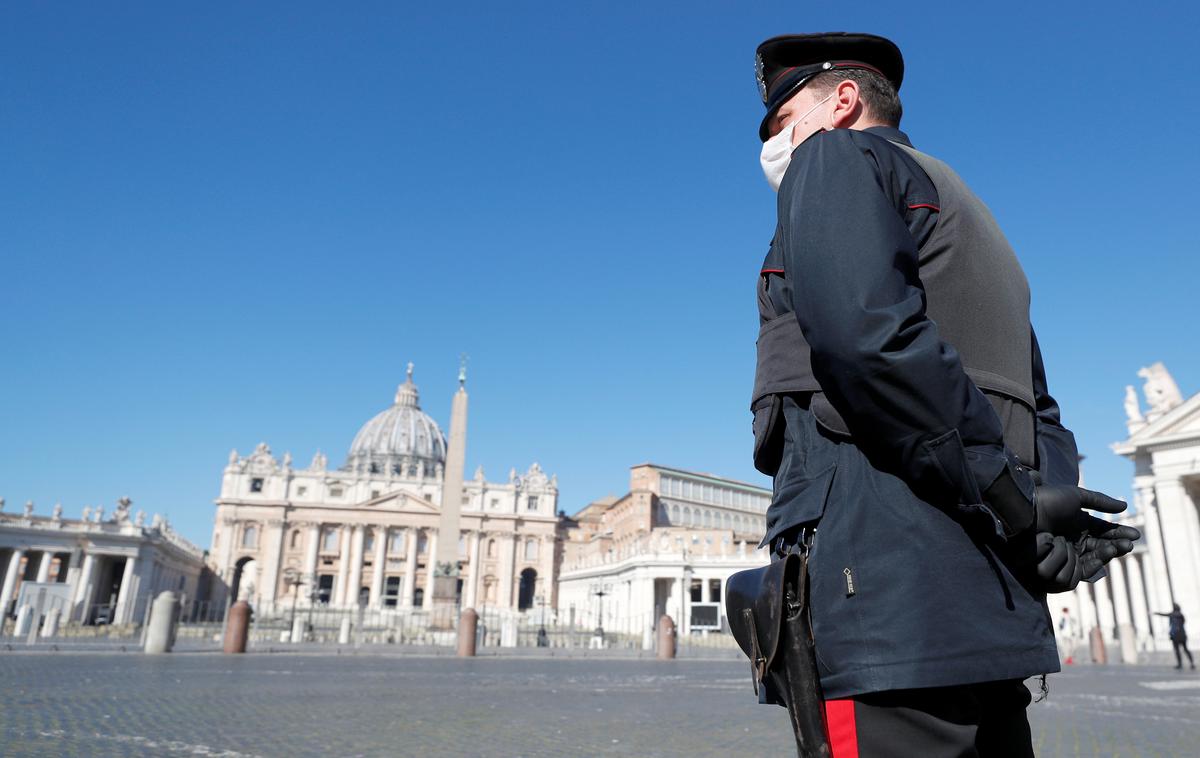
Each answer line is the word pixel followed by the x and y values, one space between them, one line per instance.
pixel 226 224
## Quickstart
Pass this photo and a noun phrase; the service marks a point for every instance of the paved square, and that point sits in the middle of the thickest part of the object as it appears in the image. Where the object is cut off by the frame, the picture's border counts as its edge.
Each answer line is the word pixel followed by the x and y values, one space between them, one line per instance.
pixel 380 705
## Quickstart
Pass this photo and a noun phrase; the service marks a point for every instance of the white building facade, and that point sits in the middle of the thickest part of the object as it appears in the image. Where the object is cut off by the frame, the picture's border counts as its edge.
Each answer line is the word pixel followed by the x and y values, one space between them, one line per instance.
pixel 365 534
pixel 99 570
pixel 667 546
pixel 1164 568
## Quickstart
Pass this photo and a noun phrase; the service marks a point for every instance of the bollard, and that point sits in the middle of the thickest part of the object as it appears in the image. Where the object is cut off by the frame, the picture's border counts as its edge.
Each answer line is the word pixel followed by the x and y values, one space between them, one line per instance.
pixel 666 638
pixel 467 621
pixel 24 621
pixel 1099 654
pixel 50 628
pixel 1128 644
pixel 297 630
pixel 237 627
pixel 160 631
pixel 344 631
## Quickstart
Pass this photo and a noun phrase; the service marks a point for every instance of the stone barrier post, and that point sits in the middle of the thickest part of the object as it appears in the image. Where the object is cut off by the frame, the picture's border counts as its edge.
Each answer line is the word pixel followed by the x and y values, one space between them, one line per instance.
pixel 666 638
pixel 160 631
pixel 1099 653
pixel 1128 644
pixel 50 628
pixel 344 631
pixel 467 621
pixel 237 627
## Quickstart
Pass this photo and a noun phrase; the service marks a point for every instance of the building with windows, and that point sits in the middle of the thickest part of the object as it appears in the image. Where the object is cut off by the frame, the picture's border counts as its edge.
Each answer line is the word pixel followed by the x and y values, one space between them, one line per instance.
pixel 366 533
pixel 666 546
pixel 93 569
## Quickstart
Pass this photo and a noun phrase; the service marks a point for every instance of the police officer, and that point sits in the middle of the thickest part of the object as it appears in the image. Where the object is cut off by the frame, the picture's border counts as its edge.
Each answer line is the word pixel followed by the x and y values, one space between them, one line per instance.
pixel 900 404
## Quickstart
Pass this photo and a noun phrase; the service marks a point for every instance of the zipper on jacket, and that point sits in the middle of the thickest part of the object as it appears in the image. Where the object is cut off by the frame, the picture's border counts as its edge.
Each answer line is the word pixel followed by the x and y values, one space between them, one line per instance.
pixel 849 581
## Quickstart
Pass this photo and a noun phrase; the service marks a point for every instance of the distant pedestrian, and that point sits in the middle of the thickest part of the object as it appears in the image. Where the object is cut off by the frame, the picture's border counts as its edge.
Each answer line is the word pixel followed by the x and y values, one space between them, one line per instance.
pixel 1069 635
pixel 1178 635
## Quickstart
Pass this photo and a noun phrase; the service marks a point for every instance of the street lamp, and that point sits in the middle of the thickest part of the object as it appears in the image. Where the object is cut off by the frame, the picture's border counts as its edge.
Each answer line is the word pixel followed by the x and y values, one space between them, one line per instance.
pixel 600 590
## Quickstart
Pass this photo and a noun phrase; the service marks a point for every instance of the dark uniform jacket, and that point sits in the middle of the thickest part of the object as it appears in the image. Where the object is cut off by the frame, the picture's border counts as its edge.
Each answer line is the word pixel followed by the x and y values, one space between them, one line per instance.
pixel 915 579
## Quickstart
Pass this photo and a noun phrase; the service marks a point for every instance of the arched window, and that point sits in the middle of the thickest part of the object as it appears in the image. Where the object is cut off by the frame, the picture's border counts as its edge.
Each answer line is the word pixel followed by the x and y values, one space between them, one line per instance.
pixel 531 549
pixel 491 549
pixel 369 541
pixel 250 536
pixel 295 543
pixel 674 515
pixel 395 544
pixel 422 543
pixel 708 518
pixel 525 589
pixel 329 540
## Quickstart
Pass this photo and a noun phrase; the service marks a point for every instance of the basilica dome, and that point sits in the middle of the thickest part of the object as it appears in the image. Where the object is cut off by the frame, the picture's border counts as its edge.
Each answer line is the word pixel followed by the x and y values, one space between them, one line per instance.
pixel 401 440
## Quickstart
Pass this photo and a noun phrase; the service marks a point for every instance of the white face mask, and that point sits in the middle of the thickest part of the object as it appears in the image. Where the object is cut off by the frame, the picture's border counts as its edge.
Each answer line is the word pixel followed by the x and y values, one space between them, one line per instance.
pixel 777 151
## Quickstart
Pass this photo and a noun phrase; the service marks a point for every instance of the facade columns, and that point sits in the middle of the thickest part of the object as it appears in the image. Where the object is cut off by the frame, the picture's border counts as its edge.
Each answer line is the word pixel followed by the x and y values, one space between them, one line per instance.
pixel 354 584
pixel 1104 609
pixel 126 594
pixel 82 597
pixel 507 556
pixel 339 585
pixel 272 558
pixel 1145 593
pixel 546 569
pixel 1182 530
pixel 43 573
pixel 311 549
pixel 10 580
pixel 1137 597
pixel 409 584
pixel 228 536
pixel 378 564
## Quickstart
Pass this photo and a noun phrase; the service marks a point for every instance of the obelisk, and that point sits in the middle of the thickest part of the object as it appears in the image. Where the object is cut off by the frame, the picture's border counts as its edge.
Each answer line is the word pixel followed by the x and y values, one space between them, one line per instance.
pixel 446 575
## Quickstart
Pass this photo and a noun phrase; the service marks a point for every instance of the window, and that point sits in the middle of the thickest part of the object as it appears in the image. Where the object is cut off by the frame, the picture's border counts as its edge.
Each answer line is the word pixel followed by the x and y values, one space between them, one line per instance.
pixel 324 588
pixel 369 541
pixel 295 539
pixel 491 549
pixel 391 591
pixel 301 491
pixel 696 590
pixel 531 549
pixel 422 544
pixel 374 468
pixel 462 544
pixel 250 536
pixel 495 503
pixel 256 484
pixel 395 542
pixel 374 494
pixel 429 497
pixel 532 505
pixel 466 499
pixel 329 540
pixel 335 491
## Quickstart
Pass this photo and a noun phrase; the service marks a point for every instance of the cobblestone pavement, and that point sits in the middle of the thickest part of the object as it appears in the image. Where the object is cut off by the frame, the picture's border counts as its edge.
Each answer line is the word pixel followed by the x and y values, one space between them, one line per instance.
pixel 299 705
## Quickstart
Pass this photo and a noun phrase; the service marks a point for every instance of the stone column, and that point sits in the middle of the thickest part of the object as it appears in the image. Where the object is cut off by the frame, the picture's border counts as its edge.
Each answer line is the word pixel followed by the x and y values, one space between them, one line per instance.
pixel 379 564
pixel 410 568
pixel 311 549
pixel 430 567
pixel 228 537
pixel 354 584
pixel 43 572
pixel 1125 628
pixel 1142 600
pixel 272 557
pixel 546 568
pixel 10 580
pixel 1182 530
pixel 127 592
pixel 82 597
pixel 1104 608
pixel 339 584
pixel 471 588
pixel 507 556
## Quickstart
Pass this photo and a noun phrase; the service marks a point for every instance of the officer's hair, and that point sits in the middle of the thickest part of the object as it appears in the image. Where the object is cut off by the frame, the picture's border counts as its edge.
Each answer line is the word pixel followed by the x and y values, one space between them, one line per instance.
pixel 877 93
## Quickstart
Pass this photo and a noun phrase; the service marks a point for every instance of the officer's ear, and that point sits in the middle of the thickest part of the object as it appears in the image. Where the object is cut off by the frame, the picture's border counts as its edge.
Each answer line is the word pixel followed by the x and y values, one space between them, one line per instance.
pixel 847 104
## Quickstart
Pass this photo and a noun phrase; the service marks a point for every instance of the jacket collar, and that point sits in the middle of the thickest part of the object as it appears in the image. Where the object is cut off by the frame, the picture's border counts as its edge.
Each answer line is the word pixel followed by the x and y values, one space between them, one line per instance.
pixel 890 133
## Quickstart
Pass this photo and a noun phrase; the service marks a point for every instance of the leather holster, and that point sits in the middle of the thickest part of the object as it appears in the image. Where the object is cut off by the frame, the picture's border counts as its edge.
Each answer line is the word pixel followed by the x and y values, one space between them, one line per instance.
pixel 768 614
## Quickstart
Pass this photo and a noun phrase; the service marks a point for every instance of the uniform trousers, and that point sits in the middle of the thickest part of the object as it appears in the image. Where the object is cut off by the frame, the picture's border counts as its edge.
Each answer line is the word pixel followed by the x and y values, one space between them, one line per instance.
pixel 965 721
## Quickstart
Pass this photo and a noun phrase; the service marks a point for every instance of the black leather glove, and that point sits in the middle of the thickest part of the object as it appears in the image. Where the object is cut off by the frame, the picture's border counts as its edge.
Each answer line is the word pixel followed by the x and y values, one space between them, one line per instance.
pixel 1059 509
pixel 1060 567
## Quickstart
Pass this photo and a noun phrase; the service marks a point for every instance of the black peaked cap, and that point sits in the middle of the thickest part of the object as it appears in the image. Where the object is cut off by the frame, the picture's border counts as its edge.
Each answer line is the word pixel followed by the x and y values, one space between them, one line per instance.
pixel 783 64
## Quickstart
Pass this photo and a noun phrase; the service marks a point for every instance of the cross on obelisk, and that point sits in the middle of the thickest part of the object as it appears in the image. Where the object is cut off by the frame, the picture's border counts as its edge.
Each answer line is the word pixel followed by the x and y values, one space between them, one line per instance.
pixel 446 574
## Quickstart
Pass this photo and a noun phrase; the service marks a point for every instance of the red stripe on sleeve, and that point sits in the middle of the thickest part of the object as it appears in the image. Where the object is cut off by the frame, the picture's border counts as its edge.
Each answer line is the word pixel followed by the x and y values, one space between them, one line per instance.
pixel 771 271
pixel 843 733
pixel 925 205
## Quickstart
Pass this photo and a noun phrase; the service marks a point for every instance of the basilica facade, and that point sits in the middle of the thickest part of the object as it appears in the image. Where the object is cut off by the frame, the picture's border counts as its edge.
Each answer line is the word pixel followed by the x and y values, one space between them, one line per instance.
pixel 365 533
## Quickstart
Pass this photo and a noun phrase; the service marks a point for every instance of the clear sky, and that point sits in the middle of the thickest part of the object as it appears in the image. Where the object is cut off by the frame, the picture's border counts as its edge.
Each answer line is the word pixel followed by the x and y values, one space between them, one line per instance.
pixel 229 223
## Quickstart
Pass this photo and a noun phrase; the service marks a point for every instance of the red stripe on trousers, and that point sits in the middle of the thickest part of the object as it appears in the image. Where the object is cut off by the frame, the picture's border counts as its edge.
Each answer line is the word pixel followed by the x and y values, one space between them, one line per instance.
pixel 843 733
